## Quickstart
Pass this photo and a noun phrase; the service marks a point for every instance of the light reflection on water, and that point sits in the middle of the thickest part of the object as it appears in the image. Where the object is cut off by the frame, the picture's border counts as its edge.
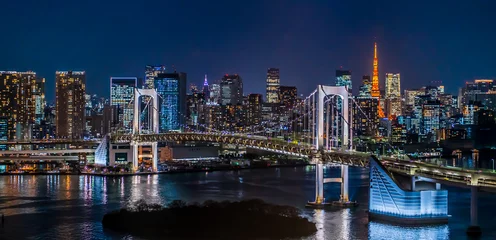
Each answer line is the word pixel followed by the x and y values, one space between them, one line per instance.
pixel 59 206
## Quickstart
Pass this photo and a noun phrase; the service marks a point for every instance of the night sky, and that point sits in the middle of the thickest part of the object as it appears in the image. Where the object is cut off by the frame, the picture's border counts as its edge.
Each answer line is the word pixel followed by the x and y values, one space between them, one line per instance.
pixel 308 40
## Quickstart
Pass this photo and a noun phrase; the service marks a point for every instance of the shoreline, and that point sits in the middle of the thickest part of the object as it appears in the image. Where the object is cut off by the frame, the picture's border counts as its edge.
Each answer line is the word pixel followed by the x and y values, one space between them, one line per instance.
pixel 162 172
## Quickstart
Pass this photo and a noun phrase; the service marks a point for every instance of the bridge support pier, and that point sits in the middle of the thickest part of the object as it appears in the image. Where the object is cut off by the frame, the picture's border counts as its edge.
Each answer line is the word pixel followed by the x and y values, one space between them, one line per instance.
pixel 155 156
pixel 474 228
pixel 319 183
pixel 134 148
pixel 344 199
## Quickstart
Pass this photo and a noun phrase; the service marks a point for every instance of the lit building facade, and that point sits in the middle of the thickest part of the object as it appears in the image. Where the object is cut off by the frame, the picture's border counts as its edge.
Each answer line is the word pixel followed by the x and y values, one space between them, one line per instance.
pixel 365 90
pixel 171 87
pixel 70 103
pixel 254 109
pixel 393 88
pixel 39 100
pixel 343 78
pixel 231 90
pixel 430 124
pixel 122 96
pixel 215 94
pixel 288 96
pixel 388 200
pixel 273 84
pixel 365 119
pixel 17 103
pixel 150 73
pixel 411 94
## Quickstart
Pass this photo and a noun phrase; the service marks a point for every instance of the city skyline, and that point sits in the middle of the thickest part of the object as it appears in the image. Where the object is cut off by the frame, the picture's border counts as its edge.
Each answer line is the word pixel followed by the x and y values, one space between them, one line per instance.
pixel 306 49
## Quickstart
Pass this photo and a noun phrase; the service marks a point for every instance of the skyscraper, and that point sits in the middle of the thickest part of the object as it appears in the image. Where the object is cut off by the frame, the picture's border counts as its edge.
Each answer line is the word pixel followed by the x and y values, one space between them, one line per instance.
pixel 39 100
pixel 273 83
pixel 366 88
pixel 70 103
pixel 206 89
pixel 343 78
pixel 254 116
pixel 393 85
pixel 171 88
pixel 122 96
pixel 288 96
pixel 150 73
pixel 231 90
pixel 16 102
pixel 393 95
pixel 376 93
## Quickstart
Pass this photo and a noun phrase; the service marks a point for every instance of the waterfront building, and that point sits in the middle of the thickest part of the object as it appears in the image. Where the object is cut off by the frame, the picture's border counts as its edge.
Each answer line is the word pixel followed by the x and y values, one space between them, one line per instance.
pixel 70 103
pixel 171 87
pixel 17 103
pixel 388 200
pixel 122 96
pixel 231 90
pixel 273 84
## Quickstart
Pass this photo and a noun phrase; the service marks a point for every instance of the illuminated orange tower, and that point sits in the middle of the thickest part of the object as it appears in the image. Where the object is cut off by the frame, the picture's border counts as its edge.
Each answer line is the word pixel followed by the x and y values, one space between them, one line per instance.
pixel 376 93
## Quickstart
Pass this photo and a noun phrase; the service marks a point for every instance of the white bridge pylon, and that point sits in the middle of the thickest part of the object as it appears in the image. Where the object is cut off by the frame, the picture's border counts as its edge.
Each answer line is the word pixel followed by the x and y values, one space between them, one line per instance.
pixel 324 92
pixel 137 129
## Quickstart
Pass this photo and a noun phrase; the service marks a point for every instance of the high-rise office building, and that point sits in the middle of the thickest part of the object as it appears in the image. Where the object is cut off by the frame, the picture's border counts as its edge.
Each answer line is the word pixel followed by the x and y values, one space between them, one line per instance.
pixel 288 96
pixel 366 88
pixel 206 89
pixel 17 103
pixel 343 78
pixel 273 84
pixel 411 94
pixel 231 90
pixel 39 100
pixel 254 109
pixel 365 119
pixel 70 103
pixel 122 96
pixel 376 93
pixel 171 87
pixel 150 73
pixel 393 89
pixel 430 124
pixel 215 94
pixel 392 97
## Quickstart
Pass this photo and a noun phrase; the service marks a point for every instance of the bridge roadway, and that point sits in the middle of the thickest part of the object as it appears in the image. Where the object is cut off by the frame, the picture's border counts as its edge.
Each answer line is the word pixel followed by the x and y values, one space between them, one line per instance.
pixel 446 175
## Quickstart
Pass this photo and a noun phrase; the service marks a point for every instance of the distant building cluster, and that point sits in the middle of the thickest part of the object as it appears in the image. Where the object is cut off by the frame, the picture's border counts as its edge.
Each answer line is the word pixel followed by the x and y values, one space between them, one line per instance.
pixel 427 114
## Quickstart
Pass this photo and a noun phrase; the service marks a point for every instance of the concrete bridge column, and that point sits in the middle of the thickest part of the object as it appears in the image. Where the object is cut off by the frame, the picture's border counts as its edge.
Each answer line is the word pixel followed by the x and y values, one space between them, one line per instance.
pixel 319 182
pixel 344 184
pixel 474 229
pixel 155 156
pixel 134 149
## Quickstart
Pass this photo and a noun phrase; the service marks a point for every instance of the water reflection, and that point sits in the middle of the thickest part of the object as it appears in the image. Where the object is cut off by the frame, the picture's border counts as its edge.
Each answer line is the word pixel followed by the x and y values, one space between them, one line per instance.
pixel 319 218
pixel 381 231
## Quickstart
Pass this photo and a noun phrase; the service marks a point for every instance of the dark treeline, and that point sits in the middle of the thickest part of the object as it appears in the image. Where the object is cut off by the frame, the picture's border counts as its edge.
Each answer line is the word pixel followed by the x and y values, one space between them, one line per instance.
pixel 211 220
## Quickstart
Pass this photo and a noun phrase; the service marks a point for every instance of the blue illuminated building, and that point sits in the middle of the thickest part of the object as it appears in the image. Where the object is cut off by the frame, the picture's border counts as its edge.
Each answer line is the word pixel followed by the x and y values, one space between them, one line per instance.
pixel 122 95
pixel 388 201
pixel 171 88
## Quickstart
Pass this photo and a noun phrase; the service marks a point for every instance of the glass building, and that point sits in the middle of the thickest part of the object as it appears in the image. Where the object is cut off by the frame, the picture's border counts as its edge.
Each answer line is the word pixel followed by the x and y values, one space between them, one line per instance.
pixel 343 78
pixel 388 200
pixel 150 73
pixel 231 90
pixel 122 96
pixel 171 88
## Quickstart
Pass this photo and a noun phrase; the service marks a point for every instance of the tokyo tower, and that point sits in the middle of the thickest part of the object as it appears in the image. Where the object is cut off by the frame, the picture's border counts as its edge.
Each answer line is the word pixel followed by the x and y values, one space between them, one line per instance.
pixel 375 83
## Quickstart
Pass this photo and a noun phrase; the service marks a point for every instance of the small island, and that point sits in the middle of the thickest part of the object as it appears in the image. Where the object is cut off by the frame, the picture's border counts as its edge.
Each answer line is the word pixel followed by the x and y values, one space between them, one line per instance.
pixel 250 219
